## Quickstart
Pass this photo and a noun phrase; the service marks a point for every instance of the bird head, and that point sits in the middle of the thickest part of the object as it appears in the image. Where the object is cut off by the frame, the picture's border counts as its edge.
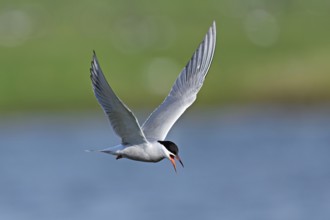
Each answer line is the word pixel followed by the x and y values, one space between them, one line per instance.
pixel 171 152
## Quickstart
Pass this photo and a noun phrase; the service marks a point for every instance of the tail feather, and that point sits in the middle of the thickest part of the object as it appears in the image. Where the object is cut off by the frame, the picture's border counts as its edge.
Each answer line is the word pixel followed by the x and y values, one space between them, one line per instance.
pixel 116 150
pixel 107 151
pixel 89 151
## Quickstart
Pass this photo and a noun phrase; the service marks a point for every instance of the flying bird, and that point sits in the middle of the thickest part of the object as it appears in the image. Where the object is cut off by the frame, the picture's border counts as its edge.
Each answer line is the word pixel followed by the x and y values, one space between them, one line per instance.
pixel 147 142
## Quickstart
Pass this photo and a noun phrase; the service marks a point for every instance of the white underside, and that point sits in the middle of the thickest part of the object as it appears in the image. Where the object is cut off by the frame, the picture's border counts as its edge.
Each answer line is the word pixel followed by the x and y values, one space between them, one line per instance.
pixel 146 152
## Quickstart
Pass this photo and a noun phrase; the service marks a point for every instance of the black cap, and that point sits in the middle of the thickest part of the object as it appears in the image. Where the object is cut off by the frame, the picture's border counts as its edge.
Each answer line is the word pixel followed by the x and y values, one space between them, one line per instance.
pixel 170 146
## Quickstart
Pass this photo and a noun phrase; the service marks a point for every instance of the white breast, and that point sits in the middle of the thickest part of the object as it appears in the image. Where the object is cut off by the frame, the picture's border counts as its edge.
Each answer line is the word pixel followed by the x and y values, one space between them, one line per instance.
pixel 147 152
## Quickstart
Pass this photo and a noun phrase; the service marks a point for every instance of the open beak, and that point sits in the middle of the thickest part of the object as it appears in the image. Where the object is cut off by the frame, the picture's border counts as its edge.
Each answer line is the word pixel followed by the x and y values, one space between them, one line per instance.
pixel 173 161
pixel 179 159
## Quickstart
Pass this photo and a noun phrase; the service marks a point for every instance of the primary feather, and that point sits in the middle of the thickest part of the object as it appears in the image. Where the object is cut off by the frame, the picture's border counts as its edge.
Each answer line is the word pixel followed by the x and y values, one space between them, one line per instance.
pixel 184 90
pixel 122 120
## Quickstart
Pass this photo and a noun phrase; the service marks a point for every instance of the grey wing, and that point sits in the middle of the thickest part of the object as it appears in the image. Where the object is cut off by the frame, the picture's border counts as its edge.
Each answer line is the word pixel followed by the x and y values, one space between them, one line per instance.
pixel 122 120
pixel 184 90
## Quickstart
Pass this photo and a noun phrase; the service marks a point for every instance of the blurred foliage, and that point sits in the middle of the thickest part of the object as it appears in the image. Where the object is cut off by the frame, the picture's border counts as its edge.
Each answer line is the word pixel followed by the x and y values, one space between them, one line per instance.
pixel 267 50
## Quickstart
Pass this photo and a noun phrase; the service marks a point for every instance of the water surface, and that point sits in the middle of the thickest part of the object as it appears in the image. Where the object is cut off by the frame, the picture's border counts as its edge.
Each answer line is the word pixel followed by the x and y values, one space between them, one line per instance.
pixel 260 162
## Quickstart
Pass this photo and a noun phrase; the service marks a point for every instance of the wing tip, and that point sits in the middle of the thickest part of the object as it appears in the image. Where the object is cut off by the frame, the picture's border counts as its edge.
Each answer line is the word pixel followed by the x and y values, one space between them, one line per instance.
pixel 210 39
pixel 213 30
pixel 94 64
pixel 94 58
pixel 213 24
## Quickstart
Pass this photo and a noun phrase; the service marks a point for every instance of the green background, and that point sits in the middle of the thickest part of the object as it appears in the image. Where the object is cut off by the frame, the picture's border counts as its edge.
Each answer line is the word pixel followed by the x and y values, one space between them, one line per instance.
pixel 268 51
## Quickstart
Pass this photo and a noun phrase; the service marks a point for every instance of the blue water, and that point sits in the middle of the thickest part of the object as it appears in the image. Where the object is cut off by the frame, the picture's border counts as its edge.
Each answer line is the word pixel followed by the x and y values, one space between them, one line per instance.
pixel 241 163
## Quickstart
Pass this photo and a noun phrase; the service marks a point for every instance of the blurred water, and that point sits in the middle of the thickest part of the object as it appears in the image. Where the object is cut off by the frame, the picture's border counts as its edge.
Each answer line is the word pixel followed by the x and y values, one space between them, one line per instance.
pixel 261 162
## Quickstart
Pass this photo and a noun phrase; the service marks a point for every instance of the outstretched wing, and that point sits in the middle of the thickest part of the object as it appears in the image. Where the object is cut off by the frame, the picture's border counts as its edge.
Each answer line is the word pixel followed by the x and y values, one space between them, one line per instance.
pixel 184 90
pixel 122 120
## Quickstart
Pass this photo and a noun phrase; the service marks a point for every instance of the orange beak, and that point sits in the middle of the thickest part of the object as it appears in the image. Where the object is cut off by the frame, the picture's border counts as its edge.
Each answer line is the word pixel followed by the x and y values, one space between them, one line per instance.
pixel 172 159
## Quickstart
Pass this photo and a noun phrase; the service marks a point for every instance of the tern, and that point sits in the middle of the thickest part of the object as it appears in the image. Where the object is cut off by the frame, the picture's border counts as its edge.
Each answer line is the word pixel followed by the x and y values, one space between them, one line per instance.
pixel 147 142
